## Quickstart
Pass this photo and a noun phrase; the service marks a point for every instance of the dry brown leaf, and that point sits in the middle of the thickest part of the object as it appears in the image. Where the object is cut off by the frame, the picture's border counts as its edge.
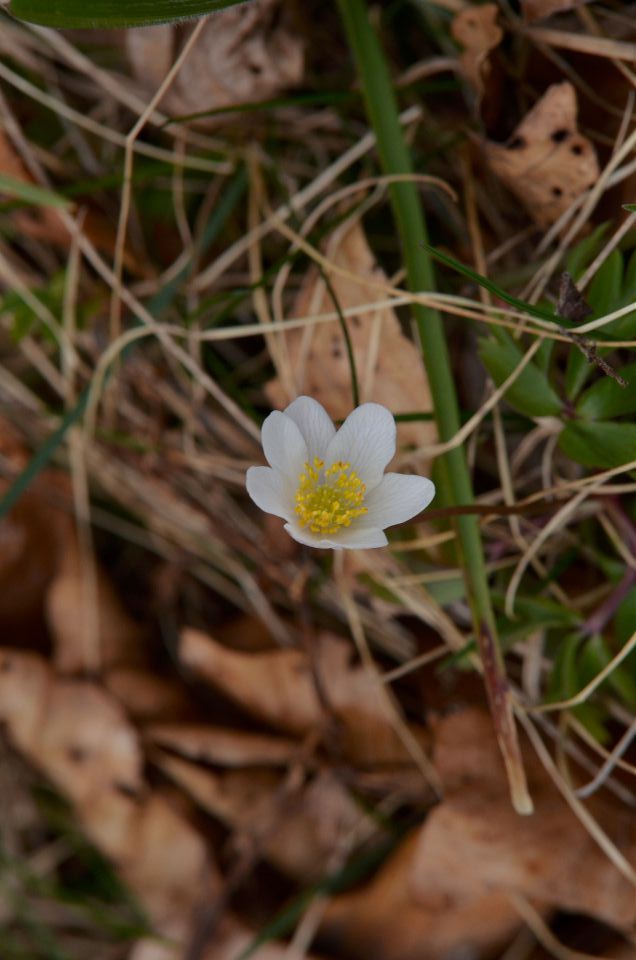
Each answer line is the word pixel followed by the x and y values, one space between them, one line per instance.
pixel 43 580
pixel 445 892
pixel 541 9
pixel 547 163
pixel 278 687
pixel 33 537
pixel 147 697
pixel 383 920
pixel 297 829
pixel 71 607
pixel 71 729
pixel 223 747
pixel 388 364
pixel 78 735
pixel 245 54
pixel 477 30
pixel 474 842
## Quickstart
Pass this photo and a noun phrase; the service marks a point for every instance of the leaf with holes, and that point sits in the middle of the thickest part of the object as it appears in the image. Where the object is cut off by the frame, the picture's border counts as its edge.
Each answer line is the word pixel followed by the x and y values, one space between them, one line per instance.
pixel 547 163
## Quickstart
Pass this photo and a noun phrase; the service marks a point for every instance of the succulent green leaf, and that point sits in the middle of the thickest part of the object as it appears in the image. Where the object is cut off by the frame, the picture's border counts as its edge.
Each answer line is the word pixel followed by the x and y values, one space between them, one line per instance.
pixel 531 392
pixel 607 399
pixel 604 292
pixel 599 443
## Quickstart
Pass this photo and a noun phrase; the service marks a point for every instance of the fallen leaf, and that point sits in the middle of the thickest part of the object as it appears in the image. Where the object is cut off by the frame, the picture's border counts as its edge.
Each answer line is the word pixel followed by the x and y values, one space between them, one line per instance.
pixel 477 30
pixel 275 685
pixel 71 607
pixel 223 747
pixel 245 54
pixel 445 891
pixel 79 736
pixel 389 365
pixel 146 696
pixel 382 920
pixel 71 729
pixel 297 829
pixel 474 842
pixel 33 536
pixel 546 163
pixel 278 687
pixel 541 9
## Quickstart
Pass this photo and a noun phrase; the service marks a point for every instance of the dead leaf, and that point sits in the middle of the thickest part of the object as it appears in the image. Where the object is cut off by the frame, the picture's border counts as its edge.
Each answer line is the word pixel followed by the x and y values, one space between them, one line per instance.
pixel 223 747
pixel 383 920
pixel 72 730
pixel 445 890
pixel 278 687
pixel 275 685
pixel 388 364
pixel 547 163
pixel 541 9
pixel 297 829
pixel 78 735
pixel 245 54
pixel 71 607
pixel 33 536
pixel 474 842
pixel 477 30
pixel 146 696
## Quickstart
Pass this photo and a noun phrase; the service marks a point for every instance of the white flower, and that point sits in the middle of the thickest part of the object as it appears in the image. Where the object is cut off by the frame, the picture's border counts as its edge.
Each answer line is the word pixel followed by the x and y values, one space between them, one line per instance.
pixel 330 486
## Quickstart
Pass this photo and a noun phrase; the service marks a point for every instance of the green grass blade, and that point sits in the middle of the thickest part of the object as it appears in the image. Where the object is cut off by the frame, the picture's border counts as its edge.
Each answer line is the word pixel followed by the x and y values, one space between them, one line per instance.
pixel 493 287
pixel 42 456
pixel 112 13
pixel 29 193
pixel 394 154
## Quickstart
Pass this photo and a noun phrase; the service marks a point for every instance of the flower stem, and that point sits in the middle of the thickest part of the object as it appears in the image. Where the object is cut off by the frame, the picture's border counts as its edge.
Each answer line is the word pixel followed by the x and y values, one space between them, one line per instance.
pixel 395 158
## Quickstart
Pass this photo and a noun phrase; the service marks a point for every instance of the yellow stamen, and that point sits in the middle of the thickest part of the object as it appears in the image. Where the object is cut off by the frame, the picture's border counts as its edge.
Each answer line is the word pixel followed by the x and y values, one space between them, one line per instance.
pixel 327 500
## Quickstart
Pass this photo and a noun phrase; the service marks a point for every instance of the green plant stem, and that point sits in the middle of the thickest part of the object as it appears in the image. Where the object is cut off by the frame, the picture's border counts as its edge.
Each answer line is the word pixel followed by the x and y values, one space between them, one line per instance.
pixel 395 158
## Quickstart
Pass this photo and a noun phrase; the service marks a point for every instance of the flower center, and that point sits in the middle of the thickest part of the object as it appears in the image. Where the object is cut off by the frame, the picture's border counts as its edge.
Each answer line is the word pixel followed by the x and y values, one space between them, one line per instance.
pixel 327 500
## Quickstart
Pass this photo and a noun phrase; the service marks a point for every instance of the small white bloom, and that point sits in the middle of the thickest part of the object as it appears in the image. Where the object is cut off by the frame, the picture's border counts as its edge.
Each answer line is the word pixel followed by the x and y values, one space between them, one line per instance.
pixel 330 486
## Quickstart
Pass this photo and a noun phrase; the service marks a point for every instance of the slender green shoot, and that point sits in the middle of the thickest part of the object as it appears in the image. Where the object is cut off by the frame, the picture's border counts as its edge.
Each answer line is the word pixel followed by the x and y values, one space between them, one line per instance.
pixel 395 158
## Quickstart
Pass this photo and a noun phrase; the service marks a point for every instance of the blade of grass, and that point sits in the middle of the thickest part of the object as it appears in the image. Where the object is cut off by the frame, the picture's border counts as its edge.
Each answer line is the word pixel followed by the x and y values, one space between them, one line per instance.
pixel 493 287
pixel 29 193
pixel 395 158
pixel 42 456
pixel 113 13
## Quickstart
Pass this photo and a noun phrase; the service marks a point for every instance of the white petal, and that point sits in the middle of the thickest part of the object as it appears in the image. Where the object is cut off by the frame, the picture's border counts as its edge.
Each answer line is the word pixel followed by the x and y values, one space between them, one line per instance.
pixel 283 443
pixel 348 539
pixel 307 537
pixel 314 423
pixel 269 490
pixel 397 498
pixel 360 538
pixel 366 440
